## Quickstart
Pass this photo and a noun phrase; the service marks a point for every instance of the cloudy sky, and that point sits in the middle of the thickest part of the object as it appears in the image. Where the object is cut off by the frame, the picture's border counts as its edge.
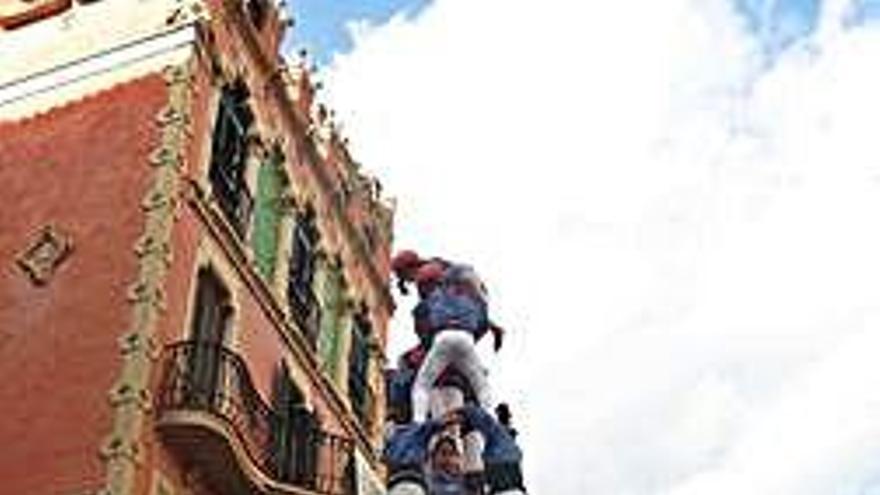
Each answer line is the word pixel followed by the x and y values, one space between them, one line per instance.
pixel 676 206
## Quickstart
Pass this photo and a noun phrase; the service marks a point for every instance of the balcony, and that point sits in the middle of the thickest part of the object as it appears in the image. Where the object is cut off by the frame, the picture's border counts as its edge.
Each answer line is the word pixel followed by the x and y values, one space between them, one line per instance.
pixel 210 414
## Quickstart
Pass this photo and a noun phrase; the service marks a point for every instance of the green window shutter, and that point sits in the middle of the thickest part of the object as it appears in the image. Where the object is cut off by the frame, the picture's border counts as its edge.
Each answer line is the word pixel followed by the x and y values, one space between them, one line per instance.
pixel 329 343
pixel 267 217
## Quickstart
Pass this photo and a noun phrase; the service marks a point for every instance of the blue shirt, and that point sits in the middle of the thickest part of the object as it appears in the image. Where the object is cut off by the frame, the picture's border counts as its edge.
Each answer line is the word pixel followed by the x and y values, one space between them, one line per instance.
pixel 408 444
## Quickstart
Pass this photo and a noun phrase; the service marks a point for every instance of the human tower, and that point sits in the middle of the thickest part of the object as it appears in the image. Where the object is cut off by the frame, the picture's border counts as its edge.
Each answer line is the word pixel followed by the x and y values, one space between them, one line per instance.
pixel 442 438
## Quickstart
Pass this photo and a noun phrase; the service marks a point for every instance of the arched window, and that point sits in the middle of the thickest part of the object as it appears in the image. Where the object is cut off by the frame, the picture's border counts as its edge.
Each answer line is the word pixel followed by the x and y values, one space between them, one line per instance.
pixel 229 152
pixel 300 294
pixel 258 11
pixel 295 433
pixel 210 325
pixel 359 392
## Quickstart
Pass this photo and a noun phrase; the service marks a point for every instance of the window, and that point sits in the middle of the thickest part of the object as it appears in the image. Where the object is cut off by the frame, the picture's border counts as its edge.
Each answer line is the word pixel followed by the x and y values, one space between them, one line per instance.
pixel 295 434
pixel 257 10
pixel 210 325
pixel 229 156
pixel 358 369
pixel 301 298
pixel 370 238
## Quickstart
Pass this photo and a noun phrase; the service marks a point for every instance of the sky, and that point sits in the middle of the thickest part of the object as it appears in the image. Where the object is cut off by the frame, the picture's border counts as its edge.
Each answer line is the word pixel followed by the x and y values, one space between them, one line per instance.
pixel 322 26
pixel 676 208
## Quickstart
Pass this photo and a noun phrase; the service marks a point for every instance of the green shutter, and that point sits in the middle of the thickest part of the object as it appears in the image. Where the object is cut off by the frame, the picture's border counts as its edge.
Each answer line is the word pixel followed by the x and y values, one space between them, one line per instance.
pixel 267 217
pixel 328 343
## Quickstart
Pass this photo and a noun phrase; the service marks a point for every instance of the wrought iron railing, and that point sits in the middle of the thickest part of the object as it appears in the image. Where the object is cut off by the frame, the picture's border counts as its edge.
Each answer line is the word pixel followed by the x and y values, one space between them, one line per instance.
pixel 207 377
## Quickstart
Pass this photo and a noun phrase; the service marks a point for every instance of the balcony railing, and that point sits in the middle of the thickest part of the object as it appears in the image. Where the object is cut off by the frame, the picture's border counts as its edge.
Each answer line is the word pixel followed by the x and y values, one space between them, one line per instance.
pixel 210 379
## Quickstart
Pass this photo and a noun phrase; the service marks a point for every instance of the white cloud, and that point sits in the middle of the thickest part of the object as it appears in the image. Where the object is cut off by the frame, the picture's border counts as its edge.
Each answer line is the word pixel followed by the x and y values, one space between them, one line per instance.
pixel 682 244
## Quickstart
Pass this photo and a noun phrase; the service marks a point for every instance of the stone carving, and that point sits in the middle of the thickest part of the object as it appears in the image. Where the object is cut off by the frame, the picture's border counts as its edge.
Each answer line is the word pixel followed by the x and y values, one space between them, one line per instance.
pixel 49 248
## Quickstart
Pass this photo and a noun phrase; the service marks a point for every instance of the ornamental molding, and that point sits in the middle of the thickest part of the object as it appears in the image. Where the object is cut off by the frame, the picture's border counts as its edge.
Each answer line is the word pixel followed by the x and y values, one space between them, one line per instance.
pixel 287 202
pixel 129 397
pixel 188 12
pixel 116 448
pixel 45 252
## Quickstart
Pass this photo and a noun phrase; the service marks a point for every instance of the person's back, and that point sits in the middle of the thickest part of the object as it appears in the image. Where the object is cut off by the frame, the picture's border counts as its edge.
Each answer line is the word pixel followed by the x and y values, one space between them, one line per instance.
pixel 454 315
pixel 457 300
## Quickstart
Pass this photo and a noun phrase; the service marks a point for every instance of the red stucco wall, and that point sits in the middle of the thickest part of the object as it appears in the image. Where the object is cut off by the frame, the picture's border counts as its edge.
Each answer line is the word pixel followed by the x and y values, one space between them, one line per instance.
pixel 82 167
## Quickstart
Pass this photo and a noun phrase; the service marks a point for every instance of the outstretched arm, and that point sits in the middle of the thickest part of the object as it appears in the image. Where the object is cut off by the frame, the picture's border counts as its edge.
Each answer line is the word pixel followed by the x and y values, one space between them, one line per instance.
pixel 497 336
pixel 500 448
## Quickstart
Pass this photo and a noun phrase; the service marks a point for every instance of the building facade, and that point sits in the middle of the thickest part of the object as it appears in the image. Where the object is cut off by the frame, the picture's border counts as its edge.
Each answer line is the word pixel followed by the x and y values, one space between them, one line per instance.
pixel 194 285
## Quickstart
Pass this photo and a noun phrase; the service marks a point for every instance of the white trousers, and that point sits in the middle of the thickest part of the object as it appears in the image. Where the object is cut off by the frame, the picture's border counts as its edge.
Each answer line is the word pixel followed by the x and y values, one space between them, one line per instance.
pixel 450 347
pixel 445 399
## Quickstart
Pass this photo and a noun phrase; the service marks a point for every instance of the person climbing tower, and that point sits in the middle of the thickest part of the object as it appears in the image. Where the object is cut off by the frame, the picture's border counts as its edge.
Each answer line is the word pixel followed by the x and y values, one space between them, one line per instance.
pixel 451 316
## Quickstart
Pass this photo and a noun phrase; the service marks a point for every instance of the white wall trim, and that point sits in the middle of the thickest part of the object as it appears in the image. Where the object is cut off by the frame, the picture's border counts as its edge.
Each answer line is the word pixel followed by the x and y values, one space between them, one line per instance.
pixel 103 61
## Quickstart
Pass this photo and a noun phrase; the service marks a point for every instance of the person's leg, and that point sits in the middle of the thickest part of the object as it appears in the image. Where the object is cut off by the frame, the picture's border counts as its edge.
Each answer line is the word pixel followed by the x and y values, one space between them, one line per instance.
pixel 435 361
pixel 445 399
pixel 466 360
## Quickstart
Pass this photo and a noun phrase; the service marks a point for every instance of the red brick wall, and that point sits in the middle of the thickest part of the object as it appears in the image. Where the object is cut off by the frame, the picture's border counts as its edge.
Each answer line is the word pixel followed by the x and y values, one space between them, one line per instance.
pixel 82 167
